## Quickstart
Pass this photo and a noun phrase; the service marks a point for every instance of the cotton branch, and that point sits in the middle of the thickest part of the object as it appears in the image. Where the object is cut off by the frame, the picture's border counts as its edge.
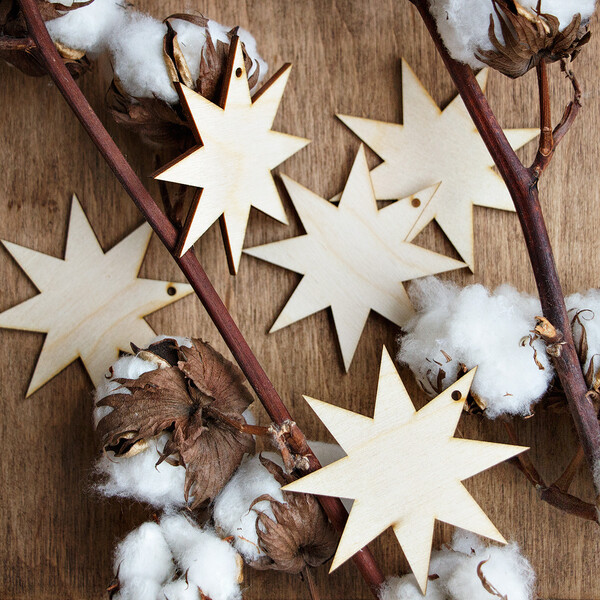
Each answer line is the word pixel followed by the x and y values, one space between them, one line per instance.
pixel 522 185
pixel 556 494
pixel 191 268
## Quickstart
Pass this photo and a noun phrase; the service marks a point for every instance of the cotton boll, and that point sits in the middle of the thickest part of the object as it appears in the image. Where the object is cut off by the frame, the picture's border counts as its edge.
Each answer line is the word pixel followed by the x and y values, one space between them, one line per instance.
pixel 209 562
pixel 87 28
pixel 144 553
pixel 464 24
pixel 406 588
pixel 127 367
pixel 136 48
pixel 232 513
pixel 475 328
pixel 504 567
pixel 140 478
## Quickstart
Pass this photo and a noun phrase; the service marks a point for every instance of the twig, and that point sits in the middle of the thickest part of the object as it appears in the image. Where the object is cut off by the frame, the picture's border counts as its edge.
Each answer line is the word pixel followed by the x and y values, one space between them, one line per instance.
pixel 563 483
pixel 550 138
pixel 189 265
pixel 522 185
pixel 556 494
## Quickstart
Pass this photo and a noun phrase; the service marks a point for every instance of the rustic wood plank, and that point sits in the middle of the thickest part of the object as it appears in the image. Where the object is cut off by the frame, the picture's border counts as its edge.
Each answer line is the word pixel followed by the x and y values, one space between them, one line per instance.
pixel 58 537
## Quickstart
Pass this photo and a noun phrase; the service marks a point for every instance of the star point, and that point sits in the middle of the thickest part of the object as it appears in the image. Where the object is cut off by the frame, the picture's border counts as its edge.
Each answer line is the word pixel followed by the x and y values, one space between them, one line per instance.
pixel 91 303
pixel 432 146
pixel 232 163
pixel 354 257
pixel 404 469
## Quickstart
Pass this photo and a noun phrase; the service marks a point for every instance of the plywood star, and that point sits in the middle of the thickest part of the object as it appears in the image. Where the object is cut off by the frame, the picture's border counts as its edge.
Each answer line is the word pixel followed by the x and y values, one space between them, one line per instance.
pixel 354 257
pixel 91 303
pixel 233 163
pixel 437 146
pixel 404 469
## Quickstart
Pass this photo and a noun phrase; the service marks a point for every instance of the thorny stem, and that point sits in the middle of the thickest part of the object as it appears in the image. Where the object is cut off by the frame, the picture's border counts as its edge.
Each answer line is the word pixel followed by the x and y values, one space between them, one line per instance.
pixel 556 494
pixel 191 268
pixel 522 185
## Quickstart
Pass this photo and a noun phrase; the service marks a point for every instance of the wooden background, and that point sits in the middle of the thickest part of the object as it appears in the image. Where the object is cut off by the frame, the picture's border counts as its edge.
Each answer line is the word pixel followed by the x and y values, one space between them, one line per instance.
pixel 57 536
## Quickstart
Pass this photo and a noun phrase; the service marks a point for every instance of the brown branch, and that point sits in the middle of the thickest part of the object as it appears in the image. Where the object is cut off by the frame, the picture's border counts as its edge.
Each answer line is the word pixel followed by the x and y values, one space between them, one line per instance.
pixel 550 138
pixel 189 265
pixel 522 185
pixel 563 483
pixel 554 494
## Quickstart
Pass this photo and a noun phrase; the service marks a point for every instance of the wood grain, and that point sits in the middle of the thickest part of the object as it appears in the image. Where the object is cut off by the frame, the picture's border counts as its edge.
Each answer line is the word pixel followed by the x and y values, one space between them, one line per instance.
pixel 58 537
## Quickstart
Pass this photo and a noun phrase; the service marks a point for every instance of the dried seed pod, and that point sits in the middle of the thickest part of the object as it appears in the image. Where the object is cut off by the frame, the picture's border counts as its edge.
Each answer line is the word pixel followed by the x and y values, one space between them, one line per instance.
pixel 530 37
pixel 12 24
pixel 156 121
pixel 199 400
pixel 299 535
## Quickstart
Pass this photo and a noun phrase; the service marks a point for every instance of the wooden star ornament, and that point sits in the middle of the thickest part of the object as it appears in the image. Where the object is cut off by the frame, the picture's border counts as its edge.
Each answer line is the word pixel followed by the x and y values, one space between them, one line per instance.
pixel 91 304
pixel 233 161
pixel 354 257
pixel 404 469
pixel 434 145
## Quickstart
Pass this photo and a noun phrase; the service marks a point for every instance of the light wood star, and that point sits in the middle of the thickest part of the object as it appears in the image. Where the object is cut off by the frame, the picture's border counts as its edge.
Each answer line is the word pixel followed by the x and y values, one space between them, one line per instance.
pixel 91 303
pixel 404 469
pixel 237 151
pixel 437 146
pixel 354 257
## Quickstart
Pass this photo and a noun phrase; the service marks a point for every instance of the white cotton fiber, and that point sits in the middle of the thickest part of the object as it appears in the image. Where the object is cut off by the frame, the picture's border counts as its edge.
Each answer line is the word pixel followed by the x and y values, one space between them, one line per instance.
pixel 145 554
pixel 463 24
pixel 505 568
pixel 136 49
pixel 191 39
pixel 406 588
pixel 232 513
pixel 454 573
pixel 476 328
pixel 209 562
pixel 87 28
pixel 138 477
pixel 586 307
pixel 179 589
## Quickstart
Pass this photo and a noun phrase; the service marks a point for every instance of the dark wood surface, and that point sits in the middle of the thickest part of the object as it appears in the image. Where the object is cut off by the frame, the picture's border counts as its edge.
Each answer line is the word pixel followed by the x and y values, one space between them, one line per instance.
pixel 58 536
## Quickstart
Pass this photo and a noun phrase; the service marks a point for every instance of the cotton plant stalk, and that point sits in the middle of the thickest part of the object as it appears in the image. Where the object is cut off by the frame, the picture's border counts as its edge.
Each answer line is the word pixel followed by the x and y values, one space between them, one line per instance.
pixel 191 268
pixel 522 183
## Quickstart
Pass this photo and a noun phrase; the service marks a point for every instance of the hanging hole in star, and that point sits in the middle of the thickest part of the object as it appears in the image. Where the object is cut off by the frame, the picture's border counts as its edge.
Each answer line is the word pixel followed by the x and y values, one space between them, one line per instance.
pixel 171 290
pixel 416 202
pixel 238 72
pixel 456 395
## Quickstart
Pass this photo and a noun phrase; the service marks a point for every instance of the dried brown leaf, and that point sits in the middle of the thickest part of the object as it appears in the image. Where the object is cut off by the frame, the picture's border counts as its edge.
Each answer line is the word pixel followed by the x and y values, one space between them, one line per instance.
pixel 529 37
pixel 298 536
pixel 200 401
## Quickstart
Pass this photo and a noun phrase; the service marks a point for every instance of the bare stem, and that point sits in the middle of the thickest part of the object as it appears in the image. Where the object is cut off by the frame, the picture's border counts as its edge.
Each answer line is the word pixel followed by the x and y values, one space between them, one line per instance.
pixel 522 185
pixel 191 268
pixel 556 495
